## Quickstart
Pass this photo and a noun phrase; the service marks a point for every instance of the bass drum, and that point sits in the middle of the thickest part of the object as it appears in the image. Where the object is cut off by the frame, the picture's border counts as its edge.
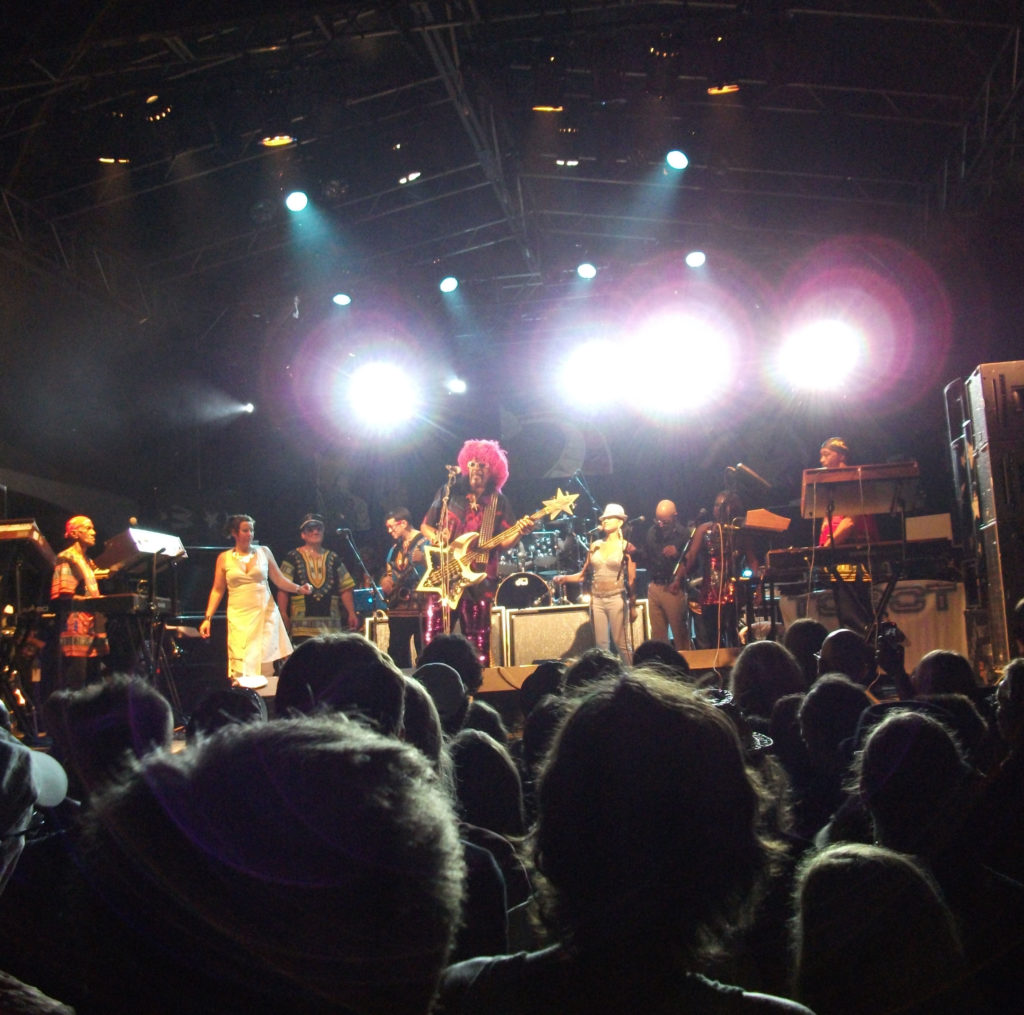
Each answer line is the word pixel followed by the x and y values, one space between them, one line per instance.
pixel 523 590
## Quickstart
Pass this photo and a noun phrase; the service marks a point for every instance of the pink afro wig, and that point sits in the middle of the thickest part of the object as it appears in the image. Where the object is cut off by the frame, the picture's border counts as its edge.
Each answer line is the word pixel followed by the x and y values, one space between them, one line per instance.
pixel 485 451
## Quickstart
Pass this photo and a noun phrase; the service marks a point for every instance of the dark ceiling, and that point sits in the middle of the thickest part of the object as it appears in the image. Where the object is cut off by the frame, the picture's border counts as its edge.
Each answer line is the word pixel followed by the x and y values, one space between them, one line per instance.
pixel 853 117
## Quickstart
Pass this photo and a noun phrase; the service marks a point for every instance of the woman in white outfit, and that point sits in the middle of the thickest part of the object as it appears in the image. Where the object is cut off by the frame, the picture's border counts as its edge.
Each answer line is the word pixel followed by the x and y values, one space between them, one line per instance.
pixel 612 572
pixel 256 633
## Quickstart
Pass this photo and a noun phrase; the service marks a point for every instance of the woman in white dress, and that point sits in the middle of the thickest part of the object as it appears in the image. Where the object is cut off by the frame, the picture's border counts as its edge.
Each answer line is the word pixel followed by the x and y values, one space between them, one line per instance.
pixel 256 633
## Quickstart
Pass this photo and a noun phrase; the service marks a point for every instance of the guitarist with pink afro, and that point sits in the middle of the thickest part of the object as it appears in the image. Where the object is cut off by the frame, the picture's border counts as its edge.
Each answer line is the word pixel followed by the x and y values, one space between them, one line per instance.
pixel 473 503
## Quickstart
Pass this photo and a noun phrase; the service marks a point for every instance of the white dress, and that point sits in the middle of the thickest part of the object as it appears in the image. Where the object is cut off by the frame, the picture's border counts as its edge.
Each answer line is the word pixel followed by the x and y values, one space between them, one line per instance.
pixel 256 632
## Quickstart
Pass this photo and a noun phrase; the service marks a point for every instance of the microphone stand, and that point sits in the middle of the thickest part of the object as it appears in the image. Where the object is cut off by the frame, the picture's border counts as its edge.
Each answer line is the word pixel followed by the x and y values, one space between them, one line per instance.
pixel 595 507
pixel 378 593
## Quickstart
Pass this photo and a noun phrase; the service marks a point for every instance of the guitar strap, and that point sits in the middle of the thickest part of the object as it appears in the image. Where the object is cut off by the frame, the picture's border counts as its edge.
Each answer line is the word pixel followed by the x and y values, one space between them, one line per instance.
pixel 490 514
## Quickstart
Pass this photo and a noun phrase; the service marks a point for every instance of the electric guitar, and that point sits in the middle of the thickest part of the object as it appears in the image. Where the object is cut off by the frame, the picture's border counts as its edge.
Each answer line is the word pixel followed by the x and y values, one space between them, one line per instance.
pixel 450 569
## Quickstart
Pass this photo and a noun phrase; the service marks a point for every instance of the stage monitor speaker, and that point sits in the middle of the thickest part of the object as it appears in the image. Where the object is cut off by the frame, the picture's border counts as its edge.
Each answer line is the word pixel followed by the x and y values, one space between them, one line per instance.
pixel 559 632
pixel 555 632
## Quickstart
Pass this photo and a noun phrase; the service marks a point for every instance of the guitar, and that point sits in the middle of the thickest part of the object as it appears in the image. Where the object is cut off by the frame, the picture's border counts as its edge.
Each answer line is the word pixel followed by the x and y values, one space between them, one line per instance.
pixel 450 569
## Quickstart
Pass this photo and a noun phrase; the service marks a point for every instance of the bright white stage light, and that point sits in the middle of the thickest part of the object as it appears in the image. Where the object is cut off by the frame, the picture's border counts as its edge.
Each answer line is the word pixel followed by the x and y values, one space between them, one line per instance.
pixel 586 270
pixel 589 375
pixel 296 201
pixel 677 159
pixel 248 407
pixel 382 396
pixel 341 299
pixel 820 355
pixel 696 259
pixel 691 344
pixel 449 284
pixel 456 386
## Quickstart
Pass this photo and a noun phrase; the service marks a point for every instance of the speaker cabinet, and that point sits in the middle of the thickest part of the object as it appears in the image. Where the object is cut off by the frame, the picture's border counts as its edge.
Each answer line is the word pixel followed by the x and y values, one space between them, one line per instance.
pixel 995 396
pixel 555 632
pixel 558 632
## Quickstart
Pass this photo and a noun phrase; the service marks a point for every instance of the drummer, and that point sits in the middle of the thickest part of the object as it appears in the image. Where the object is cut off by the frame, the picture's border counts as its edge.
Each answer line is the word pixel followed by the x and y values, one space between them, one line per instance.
pixel 612 574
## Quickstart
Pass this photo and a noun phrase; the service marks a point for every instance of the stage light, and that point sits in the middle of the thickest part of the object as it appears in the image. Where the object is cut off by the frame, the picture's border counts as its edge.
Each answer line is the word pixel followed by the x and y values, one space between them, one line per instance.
pixel 456 386
pixel 449 284
pixel 380 380
pixel 341 299
pixel 586 270
pixel 677 159
pixel 249 407
pixel 820 356
pixel 583 377
pixel 696 259
pixel 696 342
pixel 296 201
pixel 410 177
pixel 277 140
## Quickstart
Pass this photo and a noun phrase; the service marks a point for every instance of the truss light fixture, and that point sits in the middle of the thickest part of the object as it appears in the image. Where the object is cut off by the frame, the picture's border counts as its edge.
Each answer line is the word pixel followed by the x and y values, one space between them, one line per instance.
pixel 548 84
pixel 696 259
pixel 296 200
pixel 277 140
pixel 586 270
pixel 410 177
pixel 449 284
pixel 724 88
pixel 677 159
pixel 341 299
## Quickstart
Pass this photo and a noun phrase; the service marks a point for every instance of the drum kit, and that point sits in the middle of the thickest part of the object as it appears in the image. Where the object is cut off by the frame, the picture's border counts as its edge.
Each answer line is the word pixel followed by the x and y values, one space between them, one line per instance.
pixel 526 572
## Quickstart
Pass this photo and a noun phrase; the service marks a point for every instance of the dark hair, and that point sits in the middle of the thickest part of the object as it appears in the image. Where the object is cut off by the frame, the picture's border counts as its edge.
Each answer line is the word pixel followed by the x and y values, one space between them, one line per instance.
pixel 99 728
pixel 487 783
pixel 271 868
pixel 342 673
pixel 400 514
pixel 459 654
pixel 861 912
pixel 663 655
pixel 943 672
pixel 595 664
pixel 804 638
pixel 223 706
pixel 234 523
pixel 913 778
pixel 764 671
pixel 647 818
pixel 829 714
pixel 547 678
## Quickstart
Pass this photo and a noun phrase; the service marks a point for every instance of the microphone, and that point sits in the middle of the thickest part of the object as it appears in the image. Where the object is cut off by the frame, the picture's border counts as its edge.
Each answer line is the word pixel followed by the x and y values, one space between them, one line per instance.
pixel 342 531
pixel 452 470
pixel 639 518
pixel 750 474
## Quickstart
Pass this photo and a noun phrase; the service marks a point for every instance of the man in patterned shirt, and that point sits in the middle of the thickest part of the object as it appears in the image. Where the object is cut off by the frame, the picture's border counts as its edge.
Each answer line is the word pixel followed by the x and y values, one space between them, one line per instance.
pixel 307 616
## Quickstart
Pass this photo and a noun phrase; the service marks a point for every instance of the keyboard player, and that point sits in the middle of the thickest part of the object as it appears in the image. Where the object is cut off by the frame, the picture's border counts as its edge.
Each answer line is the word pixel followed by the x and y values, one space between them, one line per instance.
pixel 75 578
pixel 835 454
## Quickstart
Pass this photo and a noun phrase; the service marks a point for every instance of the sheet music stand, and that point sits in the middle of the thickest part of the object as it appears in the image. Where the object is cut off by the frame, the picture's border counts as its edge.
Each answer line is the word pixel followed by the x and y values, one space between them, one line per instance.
pixel 859 489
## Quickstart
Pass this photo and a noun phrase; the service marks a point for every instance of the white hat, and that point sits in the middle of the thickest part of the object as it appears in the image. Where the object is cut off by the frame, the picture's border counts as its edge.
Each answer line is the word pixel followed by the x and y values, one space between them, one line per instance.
pixel 49 780
pixel 613 511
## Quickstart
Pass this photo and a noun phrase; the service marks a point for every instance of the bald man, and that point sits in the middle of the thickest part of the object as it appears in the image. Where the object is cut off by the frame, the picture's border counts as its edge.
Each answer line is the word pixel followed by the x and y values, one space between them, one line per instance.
pixel 666 540
pixel 82 637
